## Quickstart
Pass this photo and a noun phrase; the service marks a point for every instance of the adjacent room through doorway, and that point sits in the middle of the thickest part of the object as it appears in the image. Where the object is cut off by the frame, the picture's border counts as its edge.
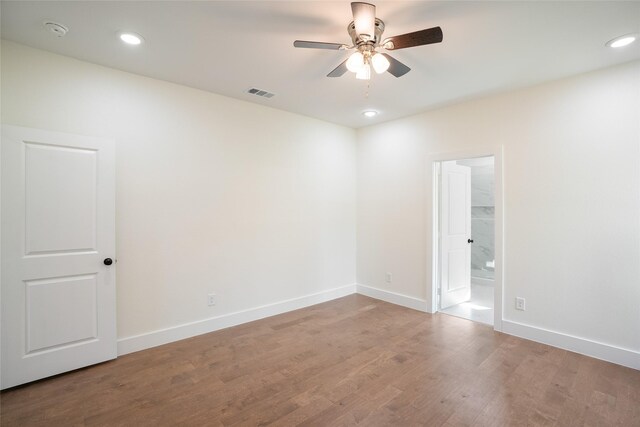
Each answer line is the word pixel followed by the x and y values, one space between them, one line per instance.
pixel 467 238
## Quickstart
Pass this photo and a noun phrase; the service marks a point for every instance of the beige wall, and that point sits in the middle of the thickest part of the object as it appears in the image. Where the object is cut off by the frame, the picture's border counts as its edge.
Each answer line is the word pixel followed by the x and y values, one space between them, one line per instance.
pixel 259 205
pixel 213 194
pixel 571 200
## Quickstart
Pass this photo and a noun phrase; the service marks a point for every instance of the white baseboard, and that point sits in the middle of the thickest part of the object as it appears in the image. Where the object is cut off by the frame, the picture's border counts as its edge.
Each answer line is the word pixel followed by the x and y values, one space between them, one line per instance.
pixel 584 346
pixel 392 297
pixel 188 330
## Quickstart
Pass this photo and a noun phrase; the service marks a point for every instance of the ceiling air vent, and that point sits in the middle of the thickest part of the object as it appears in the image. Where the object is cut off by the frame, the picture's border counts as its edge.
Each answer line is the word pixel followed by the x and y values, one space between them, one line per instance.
pixel 260 92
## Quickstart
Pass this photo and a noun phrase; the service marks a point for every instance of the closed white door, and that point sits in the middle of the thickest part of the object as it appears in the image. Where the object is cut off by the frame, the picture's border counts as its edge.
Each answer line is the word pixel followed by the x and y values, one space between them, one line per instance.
pixel 58 237
pixel 455 284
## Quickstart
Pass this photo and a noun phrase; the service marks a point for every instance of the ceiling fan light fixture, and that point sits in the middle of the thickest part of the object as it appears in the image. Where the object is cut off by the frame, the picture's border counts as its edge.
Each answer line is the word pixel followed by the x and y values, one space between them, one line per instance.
pixel 366 33
pixel 380 63
pixel 364 73
pixel 355 62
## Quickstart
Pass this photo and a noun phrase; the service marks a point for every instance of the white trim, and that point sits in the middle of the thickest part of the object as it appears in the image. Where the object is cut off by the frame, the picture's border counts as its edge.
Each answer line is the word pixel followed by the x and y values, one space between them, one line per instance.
pixel 393 297
pixel 431 226
pixel 584 346
pixel 598 350
pixel 188 330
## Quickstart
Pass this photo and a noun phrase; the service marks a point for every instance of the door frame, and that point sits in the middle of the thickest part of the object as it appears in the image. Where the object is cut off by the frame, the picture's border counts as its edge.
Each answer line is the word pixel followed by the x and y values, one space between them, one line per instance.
pixel 433 231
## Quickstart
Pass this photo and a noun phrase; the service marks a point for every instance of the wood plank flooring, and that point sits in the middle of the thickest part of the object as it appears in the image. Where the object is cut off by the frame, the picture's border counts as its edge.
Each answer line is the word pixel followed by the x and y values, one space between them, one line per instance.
pixel 350 361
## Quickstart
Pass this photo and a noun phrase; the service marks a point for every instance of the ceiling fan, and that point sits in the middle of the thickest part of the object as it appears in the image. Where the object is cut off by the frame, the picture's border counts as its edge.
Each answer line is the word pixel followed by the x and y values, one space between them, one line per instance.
pixel 366 35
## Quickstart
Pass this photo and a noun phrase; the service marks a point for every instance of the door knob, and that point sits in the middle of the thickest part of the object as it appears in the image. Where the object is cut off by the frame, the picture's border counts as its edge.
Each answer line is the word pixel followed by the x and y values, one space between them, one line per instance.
pixel 107 261
pixel 469 240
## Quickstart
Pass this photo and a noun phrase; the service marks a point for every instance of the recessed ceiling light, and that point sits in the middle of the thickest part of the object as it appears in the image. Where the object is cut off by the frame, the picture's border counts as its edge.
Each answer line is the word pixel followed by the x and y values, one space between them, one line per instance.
pixel 131 38
pixel 370 113
pixel 622 40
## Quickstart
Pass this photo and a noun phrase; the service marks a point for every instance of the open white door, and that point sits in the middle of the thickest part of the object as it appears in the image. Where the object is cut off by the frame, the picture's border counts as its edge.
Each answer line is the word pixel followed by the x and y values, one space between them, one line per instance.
pixel 58 235
pixel 455 226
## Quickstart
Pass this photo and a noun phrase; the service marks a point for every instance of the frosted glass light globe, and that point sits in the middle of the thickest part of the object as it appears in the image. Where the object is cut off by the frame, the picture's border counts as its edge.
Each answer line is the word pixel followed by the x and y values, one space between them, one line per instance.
pixel 355 62
pixel 380 63
pixel 364 73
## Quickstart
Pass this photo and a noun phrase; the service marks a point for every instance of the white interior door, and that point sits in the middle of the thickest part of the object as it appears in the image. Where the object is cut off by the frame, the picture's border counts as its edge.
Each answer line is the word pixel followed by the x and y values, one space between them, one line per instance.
pixel 58 228
pixel 455 226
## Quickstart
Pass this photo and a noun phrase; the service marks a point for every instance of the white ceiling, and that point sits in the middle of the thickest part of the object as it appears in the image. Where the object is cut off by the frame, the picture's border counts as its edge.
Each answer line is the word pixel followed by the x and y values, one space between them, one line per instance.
pixel 227 47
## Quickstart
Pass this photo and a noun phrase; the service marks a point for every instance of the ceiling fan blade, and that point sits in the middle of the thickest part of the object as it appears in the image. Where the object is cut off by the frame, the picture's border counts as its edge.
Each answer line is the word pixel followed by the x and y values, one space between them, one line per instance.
pixel 364 19
pixel 339 70
pixel 318 45
pixel 396 67
pixel 417 38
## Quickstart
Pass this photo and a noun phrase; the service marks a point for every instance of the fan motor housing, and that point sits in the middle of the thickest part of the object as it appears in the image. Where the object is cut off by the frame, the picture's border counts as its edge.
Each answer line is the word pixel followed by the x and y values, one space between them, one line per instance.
pixel 358 41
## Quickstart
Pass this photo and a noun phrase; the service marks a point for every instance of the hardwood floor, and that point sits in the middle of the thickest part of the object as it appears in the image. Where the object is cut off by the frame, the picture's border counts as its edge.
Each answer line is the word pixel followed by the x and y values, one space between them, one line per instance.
pixel 350 361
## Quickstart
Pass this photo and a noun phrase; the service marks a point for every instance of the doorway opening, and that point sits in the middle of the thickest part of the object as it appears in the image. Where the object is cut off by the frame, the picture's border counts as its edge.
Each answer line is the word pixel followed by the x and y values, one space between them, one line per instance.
pixel 466 244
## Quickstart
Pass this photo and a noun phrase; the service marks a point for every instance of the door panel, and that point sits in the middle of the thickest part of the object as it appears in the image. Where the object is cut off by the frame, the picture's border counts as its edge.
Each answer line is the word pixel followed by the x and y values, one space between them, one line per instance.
pixel 60 198
pixel 457 201
pixel 455 217
pixel 457 278
pixel 60 311
pixel 58 224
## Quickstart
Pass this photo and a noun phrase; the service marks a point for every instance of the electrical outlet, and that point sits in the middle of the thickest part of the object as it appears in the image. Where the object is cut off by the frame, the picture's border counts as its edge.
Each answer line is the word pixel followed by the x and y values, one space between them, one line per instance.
pixel 211 299
pixel 520 303
pixel 388 277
